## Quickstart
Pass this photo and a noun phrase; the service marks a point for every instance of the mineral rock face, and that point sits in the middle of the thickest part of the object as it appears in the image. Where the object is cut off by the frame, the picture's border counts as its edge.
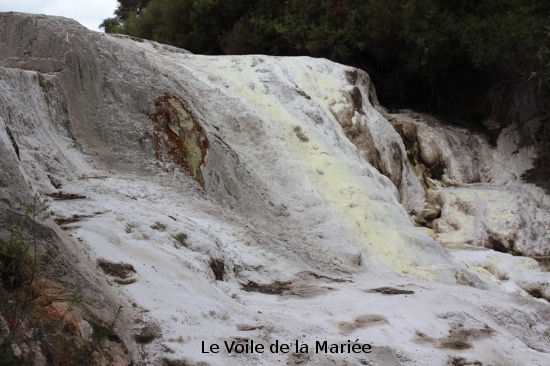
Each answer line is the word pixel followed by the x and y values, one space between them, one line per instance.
pixel 266 199
pixel 473 194
pixel 262 135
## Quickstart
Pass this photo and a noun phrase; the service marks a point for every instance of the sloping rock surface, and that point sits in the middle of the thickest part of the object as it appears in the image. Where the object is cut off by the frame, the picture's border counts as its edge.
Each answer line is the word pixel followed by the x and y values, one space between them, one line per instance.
pixel 262 198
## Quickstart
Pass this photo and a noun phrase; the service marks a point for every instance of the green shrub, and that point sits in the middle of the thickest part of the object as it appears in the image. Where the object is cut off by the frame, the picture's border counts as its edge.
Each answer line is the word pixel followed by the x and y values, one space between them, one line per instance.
pixel 20 268
pixel 24 262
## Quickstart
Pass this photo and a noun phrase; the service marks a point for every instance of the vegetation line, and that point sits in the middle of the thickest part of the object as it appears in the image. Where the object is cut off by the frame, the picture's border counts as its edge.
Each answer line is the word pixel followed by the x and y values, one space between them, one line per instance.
pixel 463 61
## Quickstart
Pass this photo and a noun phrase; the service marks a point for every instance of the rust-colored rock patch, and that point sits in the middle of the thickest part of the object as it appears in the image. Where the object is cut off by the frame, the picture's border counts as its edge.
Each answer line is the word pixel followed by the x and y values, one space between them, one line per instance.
pixel 178 137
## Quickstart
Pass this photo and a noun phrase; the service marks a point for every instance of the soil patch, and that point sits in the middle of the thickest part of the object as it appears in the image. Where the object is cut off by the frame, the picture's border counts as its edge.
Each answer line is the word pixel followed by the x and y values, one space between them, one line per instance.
pixel 121 270
pixel 275 288
pixel 60 196
pixel 391 291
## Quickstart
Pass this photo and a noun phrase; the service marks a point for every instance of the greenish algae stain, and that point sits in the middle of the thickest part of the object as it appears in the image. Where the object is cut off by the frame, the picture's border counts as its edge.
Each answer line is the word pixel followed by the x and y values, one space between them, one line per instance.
pixel 178 137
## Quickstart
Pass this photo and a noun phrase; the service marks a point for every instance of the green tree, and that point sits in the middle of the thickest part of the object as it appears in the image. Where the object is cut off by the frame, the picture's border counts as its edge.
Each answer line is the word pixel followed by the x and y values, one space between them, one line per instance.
pixel 124 10
pixel 461 59
pixel 196 25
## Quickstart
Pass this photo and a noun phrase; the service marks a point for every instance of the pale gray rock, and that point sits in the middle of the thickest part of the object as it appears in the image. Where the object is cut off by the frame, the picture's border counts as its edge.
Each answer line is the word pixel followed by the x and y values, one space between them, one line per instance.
pixel 506 219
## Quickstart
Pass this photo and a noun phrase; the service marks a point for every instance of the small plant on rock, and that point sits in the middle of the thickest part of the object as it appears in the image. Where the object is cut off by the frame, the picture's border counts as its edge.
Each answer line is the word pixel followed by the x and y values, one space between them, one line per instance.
pixel 22 263
pixel 34 317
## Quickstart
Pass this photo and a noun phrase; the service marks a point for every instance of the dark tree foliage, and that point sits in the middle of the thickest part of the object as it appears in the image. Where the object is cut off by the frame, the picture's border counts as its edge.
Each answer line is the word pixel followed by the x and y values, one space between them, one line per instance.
pixel 197 25
pixel 124 10
pixel 464 60
pixel 127 7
